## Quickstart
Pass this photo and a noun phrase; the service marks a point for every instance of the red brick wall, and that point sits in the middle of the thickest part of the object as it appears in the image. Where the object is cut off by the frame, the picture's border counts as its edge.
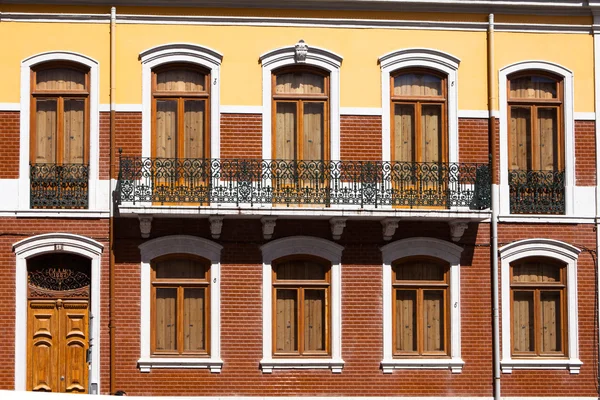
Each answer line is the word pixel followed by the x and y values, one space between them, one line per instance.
pixel 360 138
pixel 585 153
pixel 561 383
pixel 241 136
pixel 128 127
pixel 473 140
pixel 9 150
pixel 13 230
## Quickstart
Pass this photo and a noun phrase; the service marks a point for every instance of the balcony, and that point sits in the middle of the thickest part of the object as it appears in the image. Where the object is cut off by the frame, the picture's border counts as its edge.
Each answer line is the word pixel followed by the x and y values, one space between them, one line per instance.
pixel 537 192
pixel 62 186
pixel 285 183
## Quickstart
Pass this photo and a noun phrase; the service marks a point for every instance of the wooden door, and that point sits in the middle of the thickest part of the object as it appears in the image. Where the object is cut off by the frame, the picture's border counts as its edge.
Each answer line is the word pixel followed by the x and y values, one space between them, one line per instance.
pixel 57 342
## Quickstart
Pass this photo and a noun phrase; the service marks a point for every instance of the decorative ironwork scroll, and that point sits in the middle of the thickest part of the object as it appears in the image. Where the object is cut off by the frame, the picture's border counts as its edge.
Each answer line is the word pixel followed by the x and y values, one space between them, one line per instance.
pixel 51 277
pixel 59 186
pixel 287 182
pixel 537 192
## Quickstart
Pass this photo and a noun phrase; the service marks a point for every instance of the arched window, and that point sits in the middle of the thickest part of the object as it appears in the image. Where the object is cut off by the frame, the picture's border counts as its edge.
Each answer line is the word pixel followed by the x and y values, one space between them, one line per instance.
pixel 536 143
pixel 180 112
pixel 419 116
pixel 180 298
pixel 301 109
pixel 420 307
pixel 301 325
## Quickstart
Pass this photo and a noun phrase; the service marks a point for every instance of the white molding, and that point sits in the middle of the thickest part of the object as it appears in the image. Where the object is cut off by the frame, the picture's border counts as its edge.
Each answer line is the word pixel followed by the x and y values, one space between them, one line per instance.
pixel 94 150
pixel 122 107
pixel 48 243
pixel 422 246
pixel 180 244
pixel 375 111
pixel 475 114
pixel 241 109
pixel 181 52
pixel 557 250
pixel 316 57
pixel 569 128
pixel 10 106
pixel 303 245
pixel 428 58
pixel 584 116
pixel 548 219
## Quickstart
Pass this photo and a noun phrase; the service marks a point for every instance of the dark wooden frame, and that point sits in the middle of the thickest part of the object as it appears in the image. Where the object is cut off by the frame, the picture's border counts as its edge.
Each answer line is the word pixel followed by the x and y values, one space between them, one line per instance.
pixel 300 286
pixel 420 286
pixel 180 285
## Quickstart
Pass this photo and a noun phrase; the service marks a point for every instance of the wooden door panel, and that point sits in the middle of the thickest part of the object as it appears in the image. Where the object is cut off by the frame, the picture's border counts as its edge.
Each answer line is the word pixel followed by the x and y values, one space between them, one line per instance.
pixel 74 344
pixel 42 344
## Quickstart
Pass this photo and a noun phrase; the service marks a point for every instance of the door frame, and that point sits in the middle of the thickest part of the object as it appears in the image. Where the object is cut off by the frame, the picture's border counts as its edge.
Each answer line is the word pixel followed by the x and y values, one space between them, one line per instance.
pixel 55 243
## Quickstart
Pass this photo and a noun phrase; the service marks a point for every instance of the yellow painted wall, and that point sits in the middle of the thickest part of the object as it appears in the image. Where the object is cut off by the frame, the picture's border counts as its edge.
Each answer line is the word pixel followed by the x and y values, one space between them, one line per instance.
pixel 241 47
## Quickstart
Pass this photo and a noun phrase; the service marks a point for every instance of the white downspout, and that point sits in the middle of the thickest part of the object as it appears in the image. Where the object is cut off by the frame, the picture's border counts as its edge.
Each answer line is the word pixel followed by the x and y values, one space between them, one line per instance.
pixel 596 32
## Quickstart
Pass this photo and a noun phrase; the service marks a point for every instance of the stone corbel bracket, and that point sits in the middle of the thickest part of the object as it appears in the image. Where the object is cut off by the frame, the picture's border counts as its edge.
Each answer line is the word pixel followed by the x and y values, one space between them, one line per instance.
pixel 268 226
pixel 145 226
pixel 389 227
pixel 457 229
pixel 337 227
pixel 216 224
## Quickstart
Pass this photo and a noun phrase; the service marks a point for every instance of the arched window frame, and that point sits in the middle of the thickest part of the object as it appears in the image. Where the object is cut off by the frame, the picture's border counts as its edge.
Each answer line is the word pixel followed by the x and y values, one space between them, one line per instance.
pixel 560 252
pixel 435 60
pixel 177 53
pixel 303 246
pixel 180 245
pixel 97 198
pixel 568 128
pixel 422 247
pixel 53 243
pixel 316 57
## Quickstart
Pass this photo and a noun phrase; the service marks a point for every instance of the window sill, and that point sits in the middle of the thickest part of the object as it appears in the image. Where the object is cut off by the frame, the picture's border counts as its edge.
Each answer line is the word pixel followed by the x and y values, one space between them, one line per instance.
pixel 146 364
pixel 302 363
pixel 573 364
pixel 455 365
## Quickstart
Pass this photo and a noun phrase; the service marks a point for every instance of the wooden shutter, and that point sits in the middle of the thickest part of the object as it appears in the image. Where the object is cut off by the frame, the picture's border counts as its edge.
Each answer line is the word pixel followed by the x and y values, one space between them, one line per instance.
pixel 547 120
pixel 406 320
pixel 313 126
pixel 433 321
pixel 523 325
pixel 285 131
pixel 193 136
pixel 166 320
pixel 166 128
pixel 520 138
pixel 314 319
pixel 551 334
pixel 286 320
pixel 74 131
pixel 60 79
pixel 194 329
pixel 404 132
pixel 46 130
pixel 431 133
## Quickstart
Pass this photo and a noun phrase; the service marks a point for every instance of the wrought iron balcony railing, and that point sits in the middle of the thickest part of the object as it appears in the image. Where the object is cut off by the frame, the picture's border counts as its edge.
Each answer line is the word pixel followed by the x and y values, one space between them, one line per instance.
pixel 59 186
pixel 537 192
pixel 319 183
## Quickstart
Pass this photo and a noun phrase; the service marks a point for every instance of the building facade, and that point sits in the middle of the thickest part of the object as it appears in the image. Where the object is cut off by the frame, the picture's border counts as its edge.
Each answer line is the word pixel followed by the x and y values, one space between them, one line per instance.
pixel 320 198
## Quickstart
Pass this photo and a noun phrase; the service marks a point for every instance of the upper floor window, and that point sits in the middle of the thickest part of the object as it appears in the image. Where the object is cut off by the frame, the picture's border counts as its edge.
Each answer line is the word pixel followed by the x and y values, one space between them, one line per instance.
pixel 180 298
pixel 301 108
pixel 536 154
pixel 301 308
pixel 419 122
pixel 538 302
pixel 180 112
pixel 60 135
pixel 420 309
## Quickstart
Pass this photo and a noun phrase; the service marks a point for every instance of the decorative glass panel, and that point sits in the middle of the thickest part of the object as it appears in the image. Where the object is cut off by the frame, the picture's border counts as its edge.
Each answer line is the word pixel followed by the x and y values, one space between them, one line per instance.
pixel 419 85
pixel 314 320
pixel 194 331
pixel 523 336
pixel 60 79
pixel 533 87
pixel 166 319
pixel 406 320
pixel 180 80
pixel 300 83
pixel 433 320
pixel 286 316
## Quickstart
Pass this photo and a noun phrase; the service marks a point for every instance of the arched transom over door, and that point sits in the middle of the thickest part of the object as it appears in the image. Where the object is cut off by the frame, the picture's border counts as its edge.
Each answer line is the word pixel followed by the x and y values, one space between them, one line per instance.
pixel 58 323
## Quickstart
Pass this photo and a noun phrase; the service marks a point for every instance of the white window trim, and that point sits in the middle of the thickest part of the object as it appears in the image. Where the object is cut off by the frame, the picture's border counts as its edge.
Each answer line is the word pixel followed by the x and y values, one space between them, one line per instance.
pixel 94 175
pixel 317 57
pixel 422 246
pixel 303 245
pixel 176 53
pixel 569 129
pixel 426 58
pixel 180 244
pixel 55 243
pixel 557 250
